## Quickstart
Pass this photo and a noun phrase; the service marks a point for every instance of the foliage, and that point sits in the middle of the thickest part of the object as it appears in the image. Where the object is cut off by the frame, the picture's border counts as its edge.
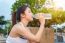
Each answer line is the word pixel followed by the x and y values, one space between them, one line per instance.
pixel 58 16
pixel 7 25
pixel 1 30
pixel 2 22
pixel 32 4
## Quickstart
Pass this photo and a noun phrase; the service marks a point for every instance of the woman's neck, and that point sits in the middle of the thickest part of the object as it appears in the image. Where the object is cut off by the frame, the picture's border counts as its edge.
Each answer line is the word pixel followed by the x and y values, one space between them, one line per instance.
pixel 24 21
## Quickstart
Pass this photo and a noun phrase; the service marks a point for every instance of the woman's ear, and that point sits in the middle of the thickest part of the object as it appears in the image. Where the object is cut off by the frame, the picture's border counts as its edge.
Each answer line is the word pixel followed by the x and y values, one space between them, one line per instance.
pixel 22 15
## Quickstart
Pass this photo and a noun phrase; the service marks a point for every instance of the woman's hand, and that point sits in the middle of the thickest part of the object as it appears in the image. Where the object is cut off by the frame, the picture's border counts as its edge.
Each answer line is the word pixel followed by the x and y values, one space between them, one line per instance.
pixel 41 18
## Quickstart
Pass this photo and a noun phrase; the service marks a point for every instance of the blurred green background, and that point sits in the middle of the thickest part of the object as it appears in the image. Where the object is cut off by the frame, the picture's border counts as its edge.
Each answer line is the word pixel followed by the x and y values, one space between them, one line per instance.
pixel 44 6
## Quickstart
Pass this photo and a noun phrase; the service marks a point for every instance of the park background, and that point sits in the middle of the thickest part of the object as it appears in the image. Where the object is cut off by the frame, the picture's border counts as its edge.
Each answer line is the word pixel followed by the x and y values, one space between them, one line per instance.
pixel 54 7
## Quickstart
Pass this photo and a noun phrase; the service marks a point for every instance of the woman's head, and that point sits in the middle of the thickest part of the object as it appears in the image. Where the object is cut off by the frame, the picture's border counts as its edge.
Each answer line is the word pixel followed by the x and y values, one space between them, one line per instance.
pixel 24 12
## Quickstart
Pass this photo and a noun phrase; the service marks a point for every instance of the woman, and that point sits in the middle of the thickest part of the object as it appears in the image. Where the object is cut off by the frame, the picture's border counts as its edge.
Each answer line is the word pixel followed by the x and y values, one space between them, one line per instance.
pixel 24 15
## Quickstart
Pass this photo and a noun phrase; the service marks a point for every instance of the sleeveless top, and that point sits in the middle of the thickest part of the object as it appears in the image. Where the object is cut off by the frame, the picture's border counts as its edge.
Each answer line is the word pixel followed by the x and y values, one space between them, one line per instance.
pixel 16 39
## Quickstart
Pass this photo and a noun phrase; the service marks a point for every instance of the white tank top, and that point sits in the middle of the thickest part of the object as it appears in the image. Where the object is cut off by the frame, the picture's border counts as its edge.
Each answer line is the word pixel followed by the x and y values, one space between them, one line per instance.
pixel 15 40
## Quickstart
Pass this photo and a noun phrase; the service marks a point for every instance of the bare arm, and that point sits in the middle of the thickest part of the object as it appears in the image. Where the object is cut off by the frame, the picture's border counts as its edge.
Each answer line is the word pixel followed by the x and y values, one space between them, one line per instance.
pixel 38 35
pixel 27 34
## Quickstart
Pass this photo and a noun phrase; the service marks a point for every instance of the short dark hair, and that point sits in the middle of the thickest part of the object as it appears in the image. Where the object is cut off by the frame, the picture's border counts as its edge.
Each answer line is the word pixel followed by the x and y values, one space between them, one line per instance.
pixel 19 11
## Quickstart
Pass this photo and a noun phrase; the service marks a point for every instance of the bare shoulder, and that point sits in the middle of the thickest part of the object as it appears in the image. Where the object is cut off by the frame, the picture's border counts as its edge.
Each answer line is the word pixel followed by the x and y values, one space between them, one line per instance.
pixel 14 26
pixel 18 26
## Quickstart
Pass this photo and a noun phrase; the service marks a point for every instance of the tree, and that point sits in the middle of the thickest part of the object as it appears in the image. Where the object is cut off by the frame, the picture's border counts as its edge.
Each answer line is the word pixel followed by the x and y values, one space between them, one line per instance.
pixel 2 22
pixel 8 27
pixel 1 30
pixel 58 16
pixel 34 5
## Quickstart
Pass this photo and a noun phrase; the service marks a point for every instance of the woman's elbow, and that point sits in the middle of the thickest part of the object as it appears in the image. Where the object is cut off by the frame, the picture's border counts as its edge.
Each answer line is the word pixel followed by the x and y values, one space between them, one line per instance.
pixel 34 41
pixel 37 40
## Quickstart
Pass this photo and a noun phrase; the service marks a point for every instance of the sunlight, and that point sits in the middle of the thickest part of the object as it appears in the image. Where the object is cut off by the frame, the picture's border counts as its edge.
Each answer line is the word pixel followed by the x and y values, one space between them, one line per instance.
pixel 59 4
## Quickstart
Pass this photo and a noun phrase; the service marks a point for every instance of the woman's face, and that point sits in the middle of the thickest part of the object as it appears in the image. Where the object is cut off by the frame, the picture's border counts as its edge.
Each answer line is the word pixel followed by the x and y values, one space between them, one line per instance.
pixel 28 14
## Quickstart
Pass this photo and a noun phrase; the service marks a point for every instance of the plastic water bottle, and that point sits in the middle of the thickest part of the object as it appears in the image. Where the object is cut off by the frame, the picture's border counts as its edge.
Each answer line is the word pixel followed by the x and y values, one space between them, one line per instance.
pixel 46 16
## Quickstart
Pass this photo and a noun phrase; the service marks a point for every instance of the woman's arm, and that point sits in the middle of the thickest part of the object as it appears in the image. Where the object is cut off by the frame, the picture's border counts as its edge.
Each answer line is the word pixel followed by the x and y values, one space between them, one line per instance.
pixel 27 34
pixel 39 35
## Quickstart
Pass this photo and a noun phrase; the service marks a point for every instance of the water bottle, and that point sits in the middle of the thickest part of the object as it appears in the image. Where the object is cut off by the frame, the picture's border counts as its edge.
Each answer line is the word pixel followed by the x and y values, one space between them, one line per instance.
pixel 46 16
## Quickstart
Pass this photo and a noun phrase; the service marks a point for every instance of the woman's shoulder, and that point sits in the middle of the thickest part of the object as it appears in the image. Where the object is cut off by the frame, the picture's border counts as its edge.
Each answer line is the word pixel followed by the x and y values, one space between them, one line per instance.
pixel 18 25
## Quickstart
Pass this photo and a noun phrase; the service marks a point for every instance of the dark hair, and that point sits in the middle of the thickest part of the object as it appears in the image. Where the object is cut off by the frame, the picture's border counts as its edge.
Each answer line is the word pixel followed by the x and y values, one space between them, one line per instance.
pixel 19 11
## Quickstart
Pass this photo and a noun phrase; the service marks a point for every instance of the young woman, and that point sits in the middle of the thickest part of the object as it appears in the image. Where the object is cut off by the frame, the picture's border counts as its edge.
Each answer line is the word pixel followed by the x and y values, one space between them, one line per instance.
pixel 24 15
